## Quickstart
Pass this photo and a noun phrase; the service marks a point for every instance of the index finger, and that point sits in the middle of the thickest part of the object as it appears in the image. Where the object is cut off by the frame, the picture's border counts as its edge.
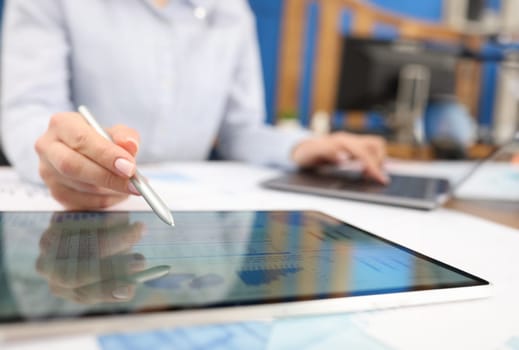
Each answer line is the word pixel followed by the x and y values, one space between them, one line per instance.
pixel 372 166
pixel 73 130
pixel 108 291
pixel 378 146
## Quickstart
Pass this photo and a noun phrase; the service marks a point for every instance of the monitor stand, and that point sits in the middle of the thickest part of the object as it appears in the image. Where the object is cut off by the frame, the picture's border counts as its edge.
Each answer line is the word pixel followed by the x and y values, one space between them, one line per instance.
pixel 412 97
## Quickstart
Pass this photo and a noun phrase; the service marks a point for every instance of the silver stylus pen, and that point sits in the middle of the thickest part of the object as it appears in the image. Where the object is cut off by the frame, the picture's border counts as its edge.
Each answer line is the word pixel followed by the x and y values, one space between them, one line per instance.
pixel 153 199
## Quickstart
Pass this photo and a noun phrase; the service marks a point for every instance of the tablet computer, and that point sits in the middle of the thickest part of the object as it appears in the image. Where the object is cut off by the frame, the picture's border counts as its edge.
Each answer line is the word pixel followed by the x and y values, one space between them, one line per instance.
pixel 69 272
pixel 348 182
pixel 416 192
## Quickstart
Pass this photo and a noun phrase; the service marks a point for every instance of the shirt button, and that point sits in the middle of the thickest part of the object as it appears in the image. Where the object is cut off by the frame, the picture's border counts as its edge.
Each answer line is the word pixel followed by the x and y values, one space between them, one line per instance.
pixel 200 13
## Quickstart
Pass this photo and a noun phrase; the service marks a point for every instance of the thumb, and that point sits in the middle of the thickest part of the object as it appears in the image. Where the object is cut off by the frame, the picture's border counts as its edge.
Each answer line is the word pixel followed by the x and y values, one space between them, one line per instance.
pixel 126 138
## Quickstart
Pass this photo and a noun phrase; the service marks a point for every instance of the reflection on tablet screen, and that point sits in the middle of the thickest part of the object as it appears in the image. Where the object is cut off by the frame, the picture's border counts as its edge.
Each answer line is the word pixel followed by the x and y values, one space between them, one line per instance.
pixel 57 265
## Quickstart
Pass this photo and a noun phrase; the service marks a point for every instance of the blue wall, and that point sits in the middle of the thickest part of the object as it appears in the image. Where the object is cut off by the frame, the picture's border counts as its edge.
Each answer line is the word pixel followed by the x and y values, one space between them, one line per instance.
pixel 429 10
pixel 269 14
pixel 494 4
pixel 309 55
pixel 268 18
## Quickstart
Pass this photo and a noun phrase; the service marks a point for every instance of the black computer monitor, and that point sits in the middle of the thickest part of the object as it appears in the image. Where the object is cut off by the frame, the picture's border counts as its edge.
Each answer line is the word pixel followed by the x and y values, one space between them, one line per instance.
pixel 370 71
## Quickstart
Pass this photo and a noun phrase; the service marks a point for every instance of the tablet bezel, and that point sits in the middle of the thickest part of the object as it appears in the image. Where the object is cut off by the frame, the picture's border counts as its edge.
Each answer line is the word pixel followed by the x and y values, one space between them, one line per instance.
pixel 154 320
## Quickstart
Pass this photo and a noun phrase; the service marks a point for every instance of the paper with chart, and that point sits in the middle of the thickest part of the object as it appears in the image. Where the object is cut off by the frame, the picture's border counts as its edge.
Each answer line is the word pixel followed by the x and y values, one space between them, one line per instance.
pixel 182 186
pixel 305 333
pixel 493 181
pixel 16 194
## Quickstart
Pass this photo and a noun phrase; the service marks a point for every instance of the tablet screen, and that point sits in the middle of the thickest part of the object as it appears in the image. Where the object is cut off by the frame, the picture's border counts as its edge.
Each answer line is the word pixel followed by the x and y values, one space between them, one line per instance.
pixel 64 265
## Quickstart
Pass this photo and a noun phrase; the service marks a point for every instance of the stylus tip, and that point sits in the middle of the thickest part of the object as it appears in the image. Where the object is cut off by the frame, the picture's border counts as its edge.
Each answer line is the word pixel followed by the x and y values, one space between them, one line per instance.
pixel 166 217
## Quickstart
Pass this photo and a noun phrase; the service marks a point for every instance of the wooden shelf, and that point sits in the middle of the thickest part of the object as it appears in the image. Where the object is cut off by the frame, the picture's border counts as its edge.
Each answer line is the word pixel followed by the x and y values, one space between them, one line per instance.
pixel 501 212
pixel 404 151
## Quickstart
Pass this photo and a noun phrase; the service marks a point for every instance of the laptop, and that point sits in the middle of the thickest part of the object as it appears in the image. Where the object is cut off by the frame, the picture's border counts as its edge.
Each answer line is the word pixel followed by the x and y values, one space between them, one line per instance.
pixel 416 192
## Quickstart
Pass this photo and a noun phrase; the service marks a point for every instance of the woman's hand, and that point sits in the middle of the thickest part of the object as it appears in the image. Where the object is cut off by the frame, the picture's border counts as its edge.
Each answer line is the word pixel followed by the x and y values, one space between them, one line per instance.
pixel 89 259
pixel 82 169
pixel 340 147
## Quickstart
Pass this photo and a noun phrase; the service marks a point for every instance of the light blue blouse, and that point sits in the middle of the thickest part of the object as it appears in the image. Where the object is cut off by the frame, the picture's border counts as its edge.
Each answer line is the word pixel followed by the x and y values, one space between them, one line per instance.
pixel 182 76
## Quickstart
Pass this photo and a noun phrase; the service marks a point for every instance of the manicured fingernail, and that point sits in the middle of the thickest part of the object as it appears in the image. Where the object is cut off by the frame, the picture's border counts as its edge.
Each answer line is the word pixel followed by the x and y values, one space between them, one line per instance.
pixel 343 156
pixel 133 189
pixel 138 257
pixel 125 166
pixel 137 261
pixel 135 142
pixel 122 292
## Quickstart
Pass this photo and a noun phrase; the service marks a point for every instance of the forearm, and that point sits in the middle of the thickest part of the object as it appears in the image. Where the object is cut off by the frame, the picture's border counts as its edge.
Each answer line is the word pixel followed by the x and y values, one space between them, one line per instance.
pixel 21 127
pixel 35 78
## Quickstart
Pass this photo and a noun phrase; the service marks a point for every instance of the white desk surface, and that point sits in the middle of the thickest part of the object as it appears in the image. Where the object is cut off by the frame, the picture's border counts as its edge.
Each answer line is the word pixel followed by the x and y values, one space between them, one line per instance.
pixel 485 249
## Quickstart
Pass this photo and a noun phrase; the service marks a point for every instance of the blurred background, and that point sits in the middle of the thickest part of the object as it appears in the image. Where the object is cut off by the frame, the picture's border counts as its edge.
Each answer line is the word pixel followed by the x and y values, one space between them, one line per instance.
pixel 437 78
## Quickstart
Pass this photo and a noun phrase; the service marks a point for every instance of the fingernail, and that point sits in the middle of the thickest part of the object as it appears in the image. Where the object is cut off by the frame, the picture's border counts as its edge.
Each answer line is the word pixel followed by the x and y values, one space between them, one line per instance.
pixel 343 156
pixel 121 292
pixel 137 261
pixel 138 257
pixel 125 166
pixel 135 142
pixel 133 189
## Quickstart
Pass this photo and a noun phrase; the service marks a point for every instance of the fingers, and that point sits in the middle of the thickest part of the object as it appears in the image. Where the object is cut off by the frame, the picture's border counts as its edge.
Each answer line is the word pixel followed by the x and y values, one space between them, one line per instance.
pixel 89 220
pixel 119 239
pixel 67 227
pixel 95 293
pixel 126 137
pixel 74 273
pixel 75 200
pixel 103 240
pixel 377 146
pixel 73 131
pixel 370 160
pixel 340 147
pixel 111 282
pixel 63 163
pixel 92 263
pixel 81 186
pixel 83 169
pixel 106 291
pixel 316 151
